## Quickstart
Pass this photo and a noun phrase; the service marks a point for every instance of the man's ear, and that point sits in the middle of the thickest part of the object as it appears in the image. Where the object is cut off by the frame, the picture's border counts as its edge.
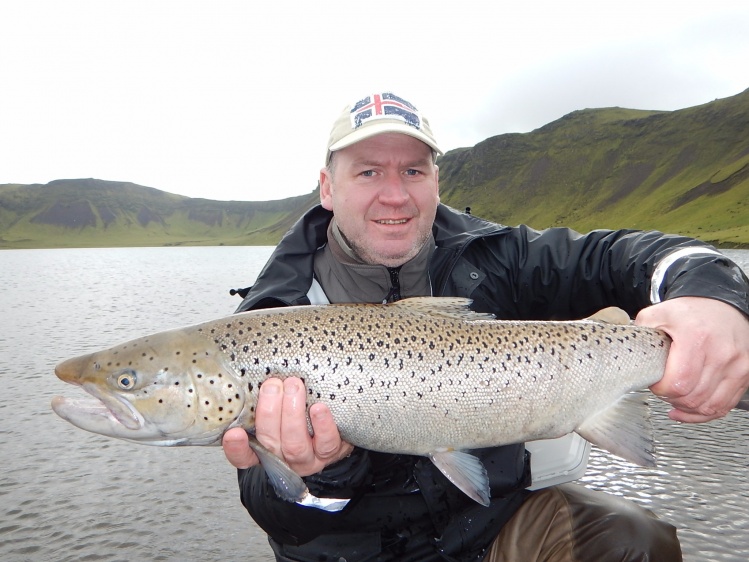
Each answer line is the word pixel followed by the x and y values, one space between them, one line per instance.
pixel 326 189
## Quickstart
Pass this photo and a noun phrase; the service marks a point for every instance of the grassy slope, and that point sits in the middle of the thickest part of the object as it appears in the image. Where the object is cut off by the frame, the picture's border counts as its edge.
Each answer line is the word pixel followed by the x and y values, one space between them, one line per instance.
pixel 684 171
pixel 94 213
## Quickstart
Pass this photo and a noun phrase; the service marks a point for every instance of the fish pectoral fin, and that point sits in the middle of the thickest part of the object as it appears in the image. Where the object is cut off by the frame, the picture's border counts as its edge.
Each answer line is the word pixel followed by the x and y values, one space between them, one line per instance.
pixel 464 470
pixel 288 484
pixel 623 429
pixel 611 315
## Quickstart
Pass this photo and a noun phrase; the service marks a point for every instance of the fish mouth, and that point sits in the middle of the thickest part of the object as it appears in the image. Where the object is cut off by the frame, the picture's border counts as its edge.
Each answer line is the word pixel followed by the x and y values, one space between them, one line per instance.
pixel 100 411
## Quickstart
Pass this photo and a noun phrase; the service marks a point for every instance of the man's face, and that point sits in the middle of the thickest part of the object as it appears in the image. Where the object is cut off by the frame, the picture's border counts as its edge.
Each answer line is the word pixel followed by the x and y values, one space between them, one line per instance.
pixel 384 194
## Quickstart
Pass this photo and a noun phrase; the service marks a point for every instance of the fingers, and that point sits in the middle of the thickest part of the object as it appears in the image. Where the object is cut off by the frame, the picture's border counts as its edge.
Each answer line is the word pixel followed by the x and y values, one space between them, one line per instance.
pixel 268 415
pixel 707 370
pixel 237 449
pixel 296 442
pixel 281 425
pixel 327 440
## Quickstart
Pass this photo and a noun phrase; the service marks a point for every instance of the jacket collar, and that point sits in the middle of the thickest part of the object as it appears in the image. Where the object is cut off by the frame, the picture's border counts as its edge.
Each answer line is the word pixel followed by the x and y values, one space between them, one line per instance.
pixel 287 276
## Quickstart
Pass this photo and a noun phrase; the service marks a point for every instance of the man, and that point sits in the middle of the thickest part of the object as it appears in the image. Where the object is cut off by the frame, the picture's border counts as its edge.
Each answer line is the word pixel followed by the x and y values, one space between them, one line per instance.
pixel 380 234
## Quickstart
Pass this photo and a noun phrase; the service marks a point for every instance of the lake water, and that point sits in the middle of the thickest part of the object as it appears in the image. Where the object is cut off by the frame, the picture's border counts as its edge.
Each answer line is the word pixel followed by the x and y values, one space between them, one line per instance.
pixel 66 494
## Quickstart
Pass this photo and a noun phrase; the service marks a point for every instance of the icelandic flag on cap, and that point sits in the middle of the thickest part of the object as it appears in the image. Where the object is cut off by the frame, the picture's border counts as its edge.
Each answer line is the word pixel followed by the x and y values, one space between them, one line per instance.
pixel 384 106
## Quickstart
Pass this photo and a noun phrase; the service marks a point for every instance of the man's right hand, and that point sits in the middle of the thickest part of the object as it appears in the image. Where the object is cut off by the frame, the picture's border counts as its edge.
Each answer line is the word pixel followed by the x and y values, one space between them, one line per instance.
pixel 281 427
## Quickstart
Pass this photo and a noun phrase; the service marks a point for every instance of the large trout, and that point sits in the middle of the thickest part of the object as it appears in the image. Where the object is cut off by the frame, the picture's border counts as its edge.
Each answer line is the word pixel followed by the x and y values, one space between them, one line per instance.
pixel 423 376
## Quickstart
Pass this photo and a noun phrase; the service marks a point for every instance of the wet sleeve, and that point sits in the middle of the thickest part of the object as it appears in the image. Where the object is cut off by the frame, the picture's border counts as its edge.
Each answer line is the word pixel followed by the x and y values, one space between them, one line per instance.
pixel 565 274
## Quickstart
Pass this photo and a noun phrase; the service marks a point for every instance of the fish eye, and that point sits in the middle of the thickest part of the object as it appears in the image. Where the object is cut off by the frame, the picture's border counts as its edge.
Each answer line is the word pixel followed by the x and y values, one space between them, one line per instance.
pixel 127 379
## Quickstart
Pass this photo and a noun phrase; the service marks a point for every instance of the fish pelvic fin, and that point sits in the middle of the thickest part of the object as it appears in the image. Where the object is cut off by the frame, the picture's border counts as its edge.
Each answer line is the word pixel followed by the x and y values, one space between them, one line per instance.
pixel 288 484
pixel 623 429
pixel 466 471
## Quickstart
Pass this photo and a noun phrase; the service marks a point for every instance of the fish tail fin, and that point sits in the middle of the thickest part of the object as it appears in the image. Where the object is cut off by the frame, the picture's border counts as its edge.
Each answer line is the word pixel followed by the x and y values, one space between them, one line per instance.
pixel 466 471
pixel 623 429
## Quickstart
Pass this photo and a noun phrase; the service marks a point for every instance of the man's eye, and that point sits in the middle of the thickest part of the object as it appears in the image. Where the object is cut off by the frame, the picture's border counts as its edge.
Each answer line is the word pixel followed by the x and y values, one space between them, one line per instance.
pixel 367 173
pixel 412 172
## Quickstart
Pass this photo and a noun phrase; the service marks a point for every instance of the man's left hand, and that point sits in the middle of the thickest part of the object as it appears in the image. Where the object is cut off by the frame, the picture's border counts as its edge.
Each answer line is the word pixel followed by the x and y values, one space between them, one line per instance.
pixel 707 371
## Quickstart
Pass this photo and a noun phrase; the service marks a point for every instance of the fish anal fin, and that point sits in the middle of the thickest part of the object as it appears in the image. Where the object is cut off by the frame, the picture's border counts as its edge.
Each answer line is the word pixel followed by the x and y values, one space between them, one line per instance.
pixel 624 429
pixel 466 471
pixel 288 484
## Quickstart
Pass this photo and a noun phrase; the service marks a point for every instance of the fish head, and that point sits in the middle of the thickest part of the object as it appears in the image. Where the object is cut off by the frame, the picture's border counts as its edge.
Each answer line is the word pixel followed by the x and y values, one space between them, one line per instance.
pixel 164 389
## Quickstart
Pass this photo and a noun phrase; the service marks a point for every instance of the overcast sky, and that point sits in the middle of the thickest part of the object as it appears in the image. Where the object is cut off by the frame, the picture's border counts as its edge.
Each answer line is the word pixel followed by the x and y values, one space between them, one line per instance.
pixel 235 99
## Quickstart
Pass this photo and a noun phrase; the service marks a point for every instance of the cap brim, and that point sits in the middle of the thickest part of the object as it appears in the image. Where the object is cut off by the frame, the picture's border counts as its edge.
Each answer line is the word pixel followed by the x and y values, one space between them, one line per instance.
pixel 374 129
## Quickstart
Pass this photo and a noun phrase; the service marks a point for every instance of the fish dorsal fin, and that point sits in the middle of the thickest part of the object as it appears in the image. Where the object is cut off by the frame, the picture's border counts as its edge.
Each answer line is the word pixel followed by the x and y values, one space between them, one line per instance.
pixel 450 307
pixel 466 471
pixel 611 315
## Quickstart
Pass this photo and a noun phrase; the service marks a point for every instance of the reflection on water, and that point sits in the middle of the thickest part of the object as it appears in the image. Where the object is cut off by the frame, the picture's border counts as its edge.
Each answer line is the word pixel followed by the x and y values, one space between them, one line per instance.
pixel 69 495
pixel 700 483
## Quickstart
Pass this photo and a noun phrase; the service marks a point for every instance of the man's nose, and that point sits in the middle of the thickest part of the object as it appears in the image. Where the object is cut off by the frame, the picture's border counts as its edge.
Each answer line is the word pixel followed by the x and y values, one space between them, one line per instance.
pixel 393 190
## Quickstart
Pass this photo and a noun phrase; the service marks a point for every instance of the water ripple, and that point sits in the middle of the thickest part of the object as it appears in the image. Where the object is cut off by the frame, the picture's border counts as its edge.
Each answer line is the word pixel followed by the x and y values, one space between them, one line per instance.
pixel 70 496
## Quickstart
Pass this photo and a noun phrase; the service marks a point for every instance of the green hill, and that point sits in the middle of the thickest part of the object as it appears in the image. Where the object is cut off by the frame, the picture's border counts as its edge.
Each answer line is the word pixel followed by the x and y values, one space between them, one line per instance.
pixel 683 171
pixel 97 213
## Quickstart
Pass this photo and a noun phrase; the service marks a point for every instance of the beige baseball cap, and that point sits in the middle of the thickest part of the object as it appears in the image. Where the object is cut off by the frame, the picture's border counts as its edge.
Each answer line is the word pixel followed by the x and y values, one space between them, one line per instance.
pixel 377 114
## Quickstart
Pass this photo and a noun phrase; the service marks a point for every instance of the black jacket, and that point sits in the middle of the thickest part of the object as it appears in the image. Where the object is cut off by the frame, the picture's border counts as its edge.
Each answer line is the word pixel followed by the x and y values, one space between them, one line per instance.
pixel 402 508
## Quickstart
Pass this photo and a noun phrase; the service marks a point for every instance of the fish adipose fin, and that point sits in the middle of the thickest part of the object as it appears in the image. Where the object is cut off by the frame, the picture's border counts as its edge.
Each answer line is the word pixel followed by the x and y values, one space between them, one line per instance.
pixel 744 402
pixel 288 484
pixel 623 429
pixel 466 471
pixel 611 315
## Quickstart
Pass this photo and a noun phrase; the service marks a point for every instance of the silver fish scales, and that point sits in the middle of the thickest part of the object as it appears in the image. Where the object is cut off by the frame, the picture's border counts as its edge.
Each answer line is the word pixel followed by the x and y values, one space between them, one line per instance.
pixel 422 376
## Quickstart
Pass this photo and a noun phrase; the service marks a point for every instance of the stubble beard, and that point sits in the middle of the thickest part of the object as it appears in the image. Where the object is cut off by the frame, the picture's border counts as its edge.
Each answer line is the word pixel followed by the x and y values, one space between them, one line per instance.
pixel 375 257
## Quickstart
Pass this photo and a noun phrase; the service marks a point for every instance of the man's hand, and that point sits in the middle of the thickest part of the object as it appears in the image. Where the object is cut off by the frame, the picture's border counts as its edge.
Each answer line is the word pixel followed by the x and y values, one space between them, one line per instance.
pixel 707 370
pixel 281 426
